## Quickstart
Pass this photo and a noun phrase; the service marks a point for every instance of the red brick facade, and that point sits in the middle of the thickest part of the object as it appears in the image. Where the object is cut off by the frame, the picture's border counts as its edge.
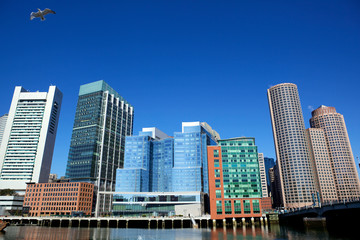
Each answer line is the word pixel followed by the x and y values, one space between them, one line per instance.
pixel 46 199
pixel 218 209
pixel 266 204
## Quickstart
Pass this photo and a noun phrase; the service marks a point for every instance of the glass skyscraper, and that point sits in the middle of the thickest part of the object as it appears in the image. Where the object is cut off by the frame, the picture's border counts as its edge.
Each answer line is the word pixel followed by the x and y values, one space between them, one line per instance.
pixel 190 171
pixel 148 163
pixel 159 170
pixel 269 163
pixel 162 163
pixel 102 121
pixel 155 162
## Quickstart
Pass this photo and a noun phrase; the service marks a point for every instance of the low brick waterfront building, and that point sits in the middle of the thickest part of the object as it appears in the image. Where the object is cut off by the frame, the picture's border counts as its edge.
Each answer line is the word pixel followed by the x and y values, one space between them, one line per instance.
pixel 49 199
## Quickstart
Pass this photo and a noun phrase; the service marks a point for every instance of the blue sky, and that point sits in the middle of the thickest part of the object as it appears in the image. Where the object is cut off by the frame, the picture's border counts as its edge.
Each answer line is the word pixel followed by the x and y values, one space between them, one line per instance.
pixel 184 60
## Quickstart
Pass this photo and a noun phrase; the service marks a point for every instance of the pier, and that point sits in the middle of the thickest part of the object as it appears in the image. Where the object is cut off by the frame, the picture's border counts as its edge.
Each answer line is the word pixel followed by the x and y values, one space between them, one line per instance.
pixel 135 222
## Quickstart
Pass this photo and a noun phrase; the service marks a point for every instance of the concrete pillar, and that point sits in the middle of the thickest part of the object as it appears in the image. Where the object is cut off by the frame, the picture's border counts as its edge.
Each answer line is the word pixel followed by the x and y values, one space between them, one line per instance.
pixel 127 223
pixel 265 218
pixel 70 223
pixel 234 222
pixel 182 223
pixel 243 221
pixel 149 224
pixel 224 223
pixel 172 223
pixel 252 221
pixel 108 223
pixel 163 224
pixel 117 223
pixel 98 223
pixel 89 223
pixel 261 221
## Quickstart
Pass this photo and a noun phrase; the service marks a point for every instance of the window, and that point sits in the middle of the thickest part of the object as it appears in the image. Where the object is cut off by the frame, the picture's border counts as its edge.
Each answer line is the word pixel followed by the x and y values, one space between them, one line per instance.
pixel 256 206
pixel 246 204
pixel 228 207
pixel 237 206
pixel 218 193
pixel 217 183
pixel 218 207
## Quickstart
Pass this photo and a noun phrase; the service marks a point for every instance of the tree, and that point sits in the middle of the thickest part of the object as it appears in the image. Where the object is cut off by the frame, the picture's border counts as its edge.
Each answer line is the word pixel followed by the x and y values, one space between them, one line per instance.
pixel 8 192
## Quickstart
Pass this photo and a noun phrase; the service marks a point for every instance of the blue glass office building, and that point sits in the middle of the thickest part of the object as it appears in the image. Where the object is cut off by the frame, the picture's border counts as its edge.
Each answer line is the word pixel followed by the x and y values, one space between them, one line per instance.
pixel 148 163
pixel 102 120
pixel 165 168
pixel 155 162
pixel 190 171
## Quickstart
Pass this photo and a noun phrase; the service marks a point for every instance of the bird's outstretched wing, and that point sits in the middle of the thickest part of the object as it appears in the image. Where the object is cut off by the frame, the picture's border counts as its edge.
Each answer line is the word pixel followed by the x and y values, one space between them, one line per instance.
pixel 47 11
pixel 34 15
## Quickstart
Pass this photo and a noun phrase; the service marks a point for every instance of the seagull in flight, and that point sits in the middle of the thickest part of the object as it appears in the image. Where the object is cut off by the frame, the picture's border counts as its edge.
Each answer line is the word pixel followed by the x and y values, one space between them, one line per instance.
pixel 41 14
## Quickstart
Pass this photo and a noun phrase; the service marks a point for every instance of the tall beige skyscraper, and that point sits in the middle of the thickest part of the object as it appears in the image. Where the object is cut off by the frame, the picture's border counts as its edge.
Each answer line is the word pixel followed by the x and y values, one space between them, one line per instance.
pixel 293 158
pixel 341 156
pixel 321 164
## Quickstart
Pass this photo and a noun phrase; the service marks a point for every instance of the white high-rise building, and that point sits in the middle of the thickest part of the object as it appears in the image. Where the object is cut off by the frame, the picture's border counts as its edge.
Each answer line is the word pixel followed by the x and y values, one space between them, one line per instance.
pixel 3 120
pixel 264 188
pixel 29 137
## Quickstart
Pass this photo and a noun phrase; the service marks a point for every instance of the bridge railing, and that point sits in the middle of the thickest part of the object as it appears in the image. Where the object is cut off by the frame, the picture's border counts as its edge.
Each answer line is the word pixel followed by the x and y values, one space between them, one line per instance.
pixel 329 203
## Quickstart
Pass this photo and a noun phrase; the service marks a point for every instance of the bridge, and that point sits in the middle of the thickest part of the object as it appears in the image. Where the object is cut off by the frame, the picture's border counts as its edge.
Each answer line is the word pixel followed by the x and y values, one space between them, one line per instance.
pixel 333 214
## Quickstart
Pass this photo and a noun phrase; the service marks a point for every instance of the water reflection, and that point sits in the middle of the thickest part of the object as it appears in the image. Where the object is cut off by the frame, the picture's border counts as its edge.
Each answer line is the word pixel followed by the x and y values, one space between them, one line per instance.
pixel 260 232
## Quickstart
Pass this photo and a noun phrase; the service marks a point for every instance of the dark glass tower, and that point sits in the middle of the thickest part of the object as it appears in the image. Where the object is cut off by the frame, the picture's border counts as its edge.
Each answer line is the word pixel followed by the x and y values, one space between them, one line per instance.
pixel 269 163
pixel 102 120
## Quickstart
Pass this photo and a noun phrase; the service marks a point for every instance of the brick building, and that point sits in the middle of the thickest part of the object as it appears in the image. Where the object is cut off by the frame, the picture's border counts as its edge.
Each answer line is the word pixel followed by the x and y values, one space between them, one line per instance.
pixel 234 179
pixel 49 199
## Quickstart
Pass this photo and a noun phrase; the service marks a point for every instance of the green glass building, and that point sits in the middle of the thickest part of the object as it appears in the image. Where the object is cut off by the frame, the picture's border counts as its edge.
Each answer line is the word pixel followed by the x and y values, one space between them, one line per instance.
pixel 240 165
pixel 102 121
